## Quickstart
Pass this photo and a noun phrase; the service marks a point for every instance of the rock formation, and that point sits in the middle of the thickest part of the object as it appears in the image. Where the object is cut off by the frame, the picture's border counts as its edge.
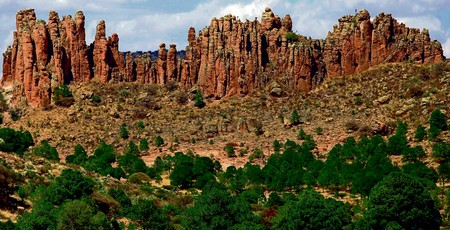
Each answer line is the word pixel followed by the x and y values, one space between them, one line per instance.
pixel 229 57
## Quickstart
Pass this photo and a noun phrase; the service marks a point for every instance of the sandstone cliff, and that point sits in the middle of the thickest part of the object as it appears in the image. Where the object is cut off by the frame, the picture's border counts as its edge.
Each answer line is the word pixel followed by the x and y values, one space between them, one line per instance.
pixel 229 57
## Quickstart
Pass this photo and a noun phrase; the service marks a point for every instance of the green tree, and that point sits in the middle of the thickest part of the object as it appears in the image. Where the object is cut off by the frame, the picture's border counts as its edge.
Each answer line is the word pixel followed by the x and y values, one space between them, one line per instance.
pixel 47 151
pixel 229 149
pixel 148 215
pixel 79 156
pixel 77 214
pixel 438 120
pixel 43 216
pixel 402 200
pixel 421 133
pixel 123 131
pixel 182 171
pixel 15 141
pixel 159 141
pixel 70 185
pixel 295 118
pixel 132 148
pixel 143 144
pixel 215 208
pixel 312 211
pixel 198 100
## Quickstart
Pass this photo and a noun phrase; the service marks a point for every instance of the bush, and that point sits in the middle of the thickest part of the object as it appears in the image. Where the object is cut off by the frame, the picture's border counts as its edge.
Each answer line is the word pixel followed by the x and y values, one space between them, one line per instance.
pixel 15 114
pixel 123 131
pixel 319 130
pixel 198 100
pixel 291 37
pixel 139 178
pixel 159 141
pixel 438 120
pixel 62 96
pixel 96 99
pixel 143 144
pixel 229 149
pixel 15 141
pixel 421 133
pixel 47 151
pixel 257 153
pixel 295 118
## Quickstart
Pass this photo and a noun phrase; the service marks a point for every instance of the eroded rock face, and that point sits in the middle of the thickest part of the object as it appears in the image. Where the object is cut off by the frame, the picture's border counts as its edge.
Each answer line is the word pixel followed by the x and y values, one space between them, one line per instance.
pixel 229 57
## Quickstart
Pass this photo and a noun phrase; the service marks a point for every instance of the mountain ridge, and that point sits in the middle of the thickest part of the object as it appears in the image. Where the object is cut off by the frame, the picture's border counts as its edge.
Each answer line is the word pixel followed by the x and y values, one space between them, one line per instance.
pixel 229 57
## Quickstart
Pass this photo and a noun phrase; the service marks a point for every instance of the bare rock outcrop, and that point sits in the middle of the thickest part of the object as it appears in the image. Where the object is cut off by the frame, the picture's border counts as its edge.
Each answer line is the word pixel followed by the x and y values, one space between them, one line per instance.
pixel 229 57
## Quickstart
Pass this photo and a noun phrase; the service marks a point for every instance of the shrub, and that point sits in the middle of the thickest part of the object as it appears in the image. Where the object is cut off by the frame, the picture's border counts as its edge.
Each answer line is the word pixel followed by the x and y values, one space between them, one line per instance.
pixel 257 153
pixel 47 151
pixel 438 120
pixel 291 37
pixel 295 118
pixel 139 178
pixel 15 141
pixel 319 130
pixel 229 149
pixel 159 141
pixel 123 131
pixel 302 134
pixel 3 104
pixel 421 133
pixel 96 99
pixel 198 100
pixel 143 144
pixel 15 114
pixel 62 96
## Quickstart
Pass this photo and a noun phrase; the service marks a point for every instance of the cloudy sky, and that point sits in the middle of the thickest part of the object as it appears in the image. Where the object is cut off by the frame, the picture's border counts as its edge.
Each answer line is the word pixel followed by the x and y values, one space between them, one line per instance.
pixel 144 24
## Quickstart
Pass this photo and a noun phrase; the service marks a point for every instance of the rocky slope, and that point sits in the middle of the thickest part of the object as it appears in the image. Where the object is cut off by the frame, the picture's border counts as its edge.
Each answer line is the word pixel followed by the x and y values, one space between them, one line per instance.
pixel 229 57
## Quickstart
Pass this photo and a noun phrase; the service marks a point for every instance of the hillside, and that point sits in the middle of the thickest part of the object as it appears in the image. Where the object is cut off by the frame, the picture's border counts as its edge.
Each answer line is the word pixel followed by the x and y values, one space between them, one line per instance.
pixel 312 134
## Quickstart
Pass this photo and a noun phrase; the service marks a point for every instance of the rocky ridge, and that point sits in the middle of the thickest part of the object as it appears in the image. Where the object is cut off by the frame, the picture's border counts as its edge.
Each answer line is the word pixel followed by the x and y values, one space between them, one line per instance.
pixel 229 57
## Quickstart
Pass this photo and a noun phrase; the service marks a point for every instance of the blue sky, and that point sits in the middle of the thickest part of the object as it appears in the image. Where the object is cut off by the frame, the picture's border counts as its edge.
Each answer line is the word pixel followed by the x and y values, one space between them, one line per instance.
pixel 144 24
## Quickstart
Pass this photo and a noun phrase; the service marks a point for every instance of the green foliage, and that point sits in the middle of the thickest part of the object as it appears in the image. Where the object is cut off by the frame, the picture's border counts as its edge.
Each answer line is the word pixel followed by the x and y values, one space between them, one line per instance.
pixel 79 156
pixel 291 37
pixel 119 195
pixel 427 176
pixel 274 200
pixel 229 149
pixel 3 104
pixel 312 211
pixel 101 161
pixel 438 120
pixel 276 146
pixel 402 200
pixel 140 125
pixel 215 208
pixel 413 154
pixel 159 141
pixel 47 151
pixel 143 144
pixel 70 185
pixel 15 141
pixel 96 99
pixel 302 134
pixel 441 152
pixel 433 133
pixel 257 153
pixel 295 118
pixel 198 100
pixel 124 132
pixel 148 215
pixel 9 225
pixel 43 216
pixel 132 148
pixel 182 171
pixel 398 143
pixel 319 130
pixel 15 114
pixel 421 133
pixel 131 163
pixel 62 96
pixel 78 214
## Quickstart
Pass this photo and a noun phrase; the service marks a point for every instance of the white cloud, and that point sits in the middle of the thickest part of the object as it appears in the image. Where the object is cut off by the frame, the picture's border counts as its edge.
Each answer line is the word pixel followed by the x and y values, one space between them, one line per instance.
pixel 427 21
pixel 446 47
